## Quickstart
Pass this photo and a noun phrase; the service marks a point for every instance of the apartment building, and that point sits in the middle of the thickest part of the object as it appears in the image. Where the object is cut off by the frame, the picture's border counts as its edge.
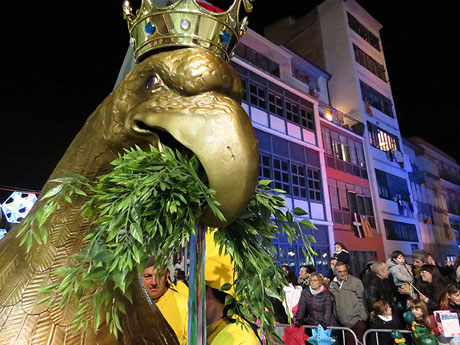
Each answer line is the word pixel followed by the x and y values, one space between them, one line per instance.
pixel 342 38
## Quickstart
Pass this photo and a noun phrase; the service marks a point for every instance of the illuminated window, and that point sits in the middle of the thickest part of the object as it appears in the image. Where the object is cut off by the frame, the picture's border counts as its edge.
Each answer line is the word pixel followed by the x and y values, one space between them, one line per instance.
pixel 381 139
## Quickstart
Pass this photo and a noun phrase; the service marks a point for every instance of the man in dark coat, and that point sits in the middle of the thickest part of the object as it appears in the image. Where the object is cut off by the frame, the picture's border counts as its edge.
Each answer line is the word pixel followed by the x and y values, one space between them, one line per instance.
pixel 379 285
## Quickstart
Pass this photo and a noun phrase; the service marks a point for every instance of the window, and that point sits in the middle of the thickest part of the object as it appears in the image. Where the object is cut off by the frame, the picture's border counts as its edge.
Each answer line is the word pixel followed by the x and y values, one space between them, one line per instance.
pixel 369 63
pixel 340 148
pixel 299 187
pixel 376 99
pixel 398 231
pixel 257 95
pixel 307 118
pixel 314 185
pixel 391 186
pixel 347 199
pixel 292 112
pixel 293 168
pixel 257 59
pixel 281 174
pixel 362 31
pixel 287 105
pixel 381 139
pixel 265 167
pixel 275 103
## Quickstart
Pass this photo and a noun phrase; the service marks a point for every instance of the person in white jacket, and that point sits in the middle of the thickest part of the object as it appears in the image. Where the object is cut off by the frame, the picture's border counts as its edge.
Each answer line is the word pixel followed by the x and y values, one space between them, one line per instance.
pixel 293 293
pixel 401 272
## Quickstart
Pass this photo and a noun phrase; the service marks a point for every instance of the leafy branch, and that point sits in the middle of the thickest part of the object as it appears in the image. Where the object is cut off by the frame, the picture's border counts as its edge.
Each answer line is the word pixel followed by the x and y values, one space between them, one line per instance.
pixel 248 242
pixel 149 205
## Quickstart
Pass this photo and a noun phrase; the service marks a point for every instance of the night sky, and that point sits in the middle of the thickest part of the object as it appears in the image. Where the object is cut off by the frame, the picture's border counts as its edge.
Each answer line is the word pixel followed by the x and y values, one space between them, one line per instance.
pixel 59 63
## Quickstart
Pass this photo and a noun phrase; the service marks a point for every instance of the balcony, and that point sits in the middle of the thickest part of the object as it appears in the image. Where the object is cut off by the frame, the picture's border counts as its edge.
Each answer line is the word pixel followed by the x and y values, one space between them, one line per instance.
pixel 341 119
pixel 449 177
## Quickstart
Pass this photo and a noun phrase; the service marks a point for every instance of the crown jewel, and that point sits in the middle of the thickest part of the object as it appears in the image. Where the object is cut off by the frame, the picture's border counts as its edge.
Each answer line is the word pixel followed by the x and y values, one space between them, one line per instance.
pixel 185 23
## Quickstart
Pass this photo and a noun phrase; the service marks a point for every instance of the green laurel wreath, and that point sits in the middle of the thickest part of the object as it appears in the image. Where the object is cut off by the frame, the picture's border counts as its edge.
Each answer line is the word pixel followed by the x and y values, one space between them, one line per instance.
pixel 150 203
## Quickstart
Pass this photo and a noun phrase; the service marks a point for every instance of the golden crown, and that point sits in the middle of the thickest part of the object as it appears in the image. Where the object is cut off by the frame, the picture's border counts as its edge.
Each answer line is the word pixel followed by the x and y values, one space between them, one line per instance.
pixel 185 23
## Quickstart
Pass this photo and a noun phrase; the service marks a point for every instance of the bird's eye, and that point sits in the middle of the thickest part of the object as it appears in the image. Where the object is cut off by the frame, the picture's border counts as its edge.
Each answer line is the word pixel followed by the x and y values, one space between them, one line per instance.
pixel 153 82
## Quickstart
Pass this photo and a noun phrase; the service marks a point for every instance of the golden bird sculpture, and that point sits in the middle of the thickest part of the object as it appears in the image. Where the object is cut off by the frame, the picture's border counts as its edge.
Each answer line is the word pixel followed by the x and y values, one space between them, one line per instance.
pixel 186 97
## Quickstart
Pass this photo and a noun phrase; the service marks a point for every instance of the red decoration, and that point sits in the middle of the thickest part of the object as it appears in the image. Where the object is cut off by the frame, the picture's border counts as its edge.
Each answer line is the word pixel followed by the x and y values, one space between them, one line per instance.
pixel 210 7
pixel 294 336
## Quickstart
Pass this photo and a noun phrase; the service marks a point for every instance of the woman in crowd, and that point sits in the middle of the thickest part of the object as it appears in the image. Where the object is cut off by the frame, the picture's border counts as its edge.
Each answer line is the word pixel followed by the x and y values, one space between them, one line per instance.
pixel 420 311
pixel 315 304
pixel 451 300
pixel 342 253
pixel 433 287
pixel 382 317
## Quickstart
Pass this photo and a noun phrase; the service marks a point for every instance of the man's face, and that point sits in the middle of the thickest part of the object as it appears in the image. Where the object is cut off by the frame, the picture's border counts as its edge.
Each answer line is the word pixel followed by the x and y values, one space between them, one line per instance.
pixel 155 286
pixel 418 263
pixel 333 262
pixel 384 272
pixel 342 272
pixel 303 273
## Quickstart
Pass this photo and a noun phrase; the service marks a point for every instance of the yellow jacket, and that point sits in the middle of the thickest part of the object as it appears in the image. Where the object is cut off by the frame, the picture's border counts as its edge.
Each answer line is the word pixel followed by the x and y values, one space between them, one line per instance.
pixel 174 307
pixel 228 332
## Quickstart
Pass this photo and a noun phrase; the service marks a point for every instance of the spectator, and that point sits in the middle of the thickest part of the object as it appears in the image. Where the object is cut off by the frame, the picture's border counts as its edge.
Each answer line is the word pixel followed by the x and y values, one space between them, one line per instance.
pixel 451 299
pixel 368 266
pixel 342 253
pixel 433 287
pixel 304 275
pixel 382 317
pixel 378 285
pixel 420 311
pixel 315 304
pixel 331 273
pixel 292 292
pixel 181 283
pixel 446 272
pixel 348 299
pixel 420 258
pixel 401 272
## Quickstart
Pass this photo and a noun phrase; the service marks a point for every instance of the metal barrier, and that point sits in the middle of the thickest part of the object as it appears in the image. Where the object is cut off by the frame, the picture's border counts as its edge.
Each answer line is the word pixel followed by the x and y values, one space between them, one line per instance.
pixel 341 331
pixel 374 340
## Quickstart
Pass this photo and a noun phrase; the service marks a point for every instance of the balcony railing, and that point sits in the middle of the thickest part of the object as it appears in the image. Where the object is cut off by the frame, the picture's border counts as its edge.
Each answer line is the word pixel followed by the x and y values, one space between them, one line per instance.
pixel 342 119
pixel 449 177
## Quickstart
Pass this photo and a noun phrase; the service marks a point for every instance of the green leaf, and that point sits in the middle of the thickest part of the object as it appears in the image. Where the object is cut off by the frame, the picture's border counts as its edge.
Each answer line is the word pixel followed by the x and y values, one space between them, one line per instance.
pixel 299 211
pixel 226 287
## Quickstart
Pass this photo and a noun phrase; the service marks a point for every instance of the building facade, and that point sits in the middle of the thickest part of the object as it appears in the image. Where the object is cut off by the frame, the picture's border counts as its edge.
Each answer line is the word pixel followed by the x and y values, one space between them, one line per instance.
pixel 435 186
pixel 282 97
pixel 341 37
pixel 349 188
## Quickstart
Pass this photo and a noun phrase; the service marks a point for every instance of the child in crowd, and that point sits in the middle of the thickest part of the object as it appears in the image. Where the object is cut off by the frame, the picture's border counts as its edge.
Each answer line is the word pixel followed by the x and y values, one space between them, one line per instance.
pixel 420 311
pixel 382 317
pixel 401 272
pixel 342 254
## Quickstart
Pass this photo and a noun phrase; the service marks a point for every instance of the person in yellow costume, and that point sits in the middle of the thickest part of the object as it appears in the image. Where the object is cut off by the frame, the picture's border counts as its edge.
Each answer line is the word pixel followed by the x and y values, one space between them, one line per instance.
pixel 172 304
pixel 221 329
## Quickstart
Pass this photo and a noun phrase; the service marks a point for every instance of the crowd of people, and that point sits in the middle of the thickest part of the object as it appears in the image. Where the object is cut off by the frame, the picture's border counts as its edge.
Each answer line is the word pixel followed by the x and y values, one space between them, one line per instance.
pixel 378 298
